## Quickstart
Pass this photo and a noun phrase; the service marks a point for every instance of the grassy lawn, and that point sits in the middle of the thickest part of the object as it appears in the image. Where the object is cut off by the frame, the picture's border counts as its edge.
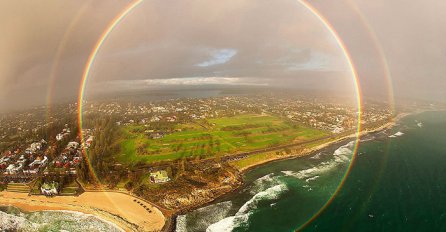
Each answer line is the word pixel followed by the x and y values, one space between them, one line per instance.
pixel 253 159
pixel 212 137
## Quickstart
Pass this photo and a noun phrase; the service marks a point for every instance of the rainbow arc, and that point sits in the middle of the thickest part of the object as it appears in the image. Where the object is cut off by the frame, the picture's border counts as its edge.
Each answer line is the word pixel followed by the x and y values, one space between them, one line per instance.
pixel 133 5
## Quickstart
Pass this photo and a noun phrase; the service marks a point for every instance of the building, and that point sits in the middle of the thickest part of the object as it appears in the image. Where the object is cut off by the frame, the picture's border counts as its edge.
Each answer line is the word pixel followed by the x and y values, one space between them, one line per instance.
pixel 49 189
pixel 159 177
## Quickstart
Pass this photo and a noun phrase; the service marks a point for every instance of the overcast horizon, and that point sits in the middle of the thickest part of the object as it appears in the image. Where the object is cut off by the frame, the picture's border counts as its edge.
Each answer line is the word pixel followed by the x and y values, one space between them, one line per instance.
pixel 277 44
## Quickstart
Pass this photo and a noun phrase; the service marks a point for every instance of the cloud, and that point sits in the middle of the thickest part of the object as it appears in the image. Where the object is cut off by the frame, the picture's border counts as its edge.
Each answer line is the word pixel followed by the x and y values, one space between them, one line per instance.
pixel 189 81
pixel 219 56
pixel 273 42
pixel 217 38
pixel 147 84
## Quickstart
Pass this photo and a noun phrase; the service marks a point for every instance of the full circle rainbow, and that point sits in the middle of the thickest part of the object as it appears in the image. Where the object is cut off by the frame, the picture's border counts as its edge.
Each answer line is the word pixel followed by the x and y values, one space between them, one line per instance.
pixel 131 6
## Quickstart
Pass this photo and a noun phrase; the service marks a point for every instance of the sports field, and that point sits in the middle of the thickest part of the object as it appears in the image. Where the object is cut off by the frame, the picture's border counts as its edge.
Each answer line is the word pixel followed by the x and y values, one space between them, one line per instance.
pixel 212 137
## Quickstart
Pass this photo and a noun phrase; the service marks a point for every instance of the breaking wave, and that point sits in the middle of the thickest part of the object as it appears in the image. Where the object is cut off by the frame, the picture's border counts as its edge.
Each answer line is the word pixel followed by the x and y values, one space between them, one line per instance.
pixel 311 178
pixel 397 134
pixel 263 183
pixel 209 214
pixel 269 194
pixel 181 223
pixel 267 189
pixel 228 224
pixel 317 156
pixel 340 156
pixel 368 138
pixel 52 220
pixel 240 219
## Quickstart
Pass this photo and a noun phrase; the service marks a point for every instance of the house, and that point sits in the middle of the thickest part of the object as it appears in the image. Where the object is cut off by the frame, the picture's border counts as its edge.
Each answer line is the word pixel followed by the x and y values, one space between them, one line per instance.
pixel 34 147
pixel 39 162
pixel 59 137
pixel 159 177
pixel 89 141
pixel 49 189
pixel 31 171
pixel 156 135
pixel 72 171
pixel 73 145
pixel 155 119
pixel 14 168
pixel 171 119
pixel 65 132
pixel 77 160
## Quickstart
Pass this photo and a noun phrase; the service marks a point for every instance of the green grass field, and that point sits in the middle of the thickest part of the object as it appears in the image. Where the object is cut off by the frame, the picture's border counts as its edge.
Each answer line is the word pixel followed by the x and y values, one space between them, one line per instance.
pixel 253 159
pixel 213 137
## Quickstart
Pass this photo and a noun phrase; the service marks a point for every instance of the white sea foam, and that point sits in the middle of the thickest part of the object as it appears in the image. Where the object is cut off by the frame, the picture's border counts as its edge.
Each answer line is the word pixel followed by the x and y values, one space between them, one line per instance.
pixel 270 187
pixel 228 224
pixel 310 172
pixel 311 178
pixel 317 156
pixel 181 223
pixel 370 138
pixel 265 178
pixel 343 150
pixel 340 155
pixel 397 134
pixel 288 173
pixel 241 217
pixel 72 221
pixel 9 222
pixel 269 194
pixel 263 183
pixel 208 215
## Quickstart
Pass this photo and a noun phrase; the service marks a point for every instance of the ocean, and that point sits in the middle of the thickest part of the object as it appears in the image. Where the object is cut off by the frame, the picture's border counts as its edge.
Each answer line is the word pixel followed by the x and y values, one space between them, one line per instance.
pixel 14 219
pixel 396 183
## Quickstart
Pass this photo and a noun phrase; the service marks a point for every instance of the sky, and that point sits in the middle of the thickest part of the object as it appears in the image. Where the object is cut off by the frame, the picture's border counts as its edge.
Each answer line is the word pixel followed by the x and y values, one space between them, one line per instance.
pixel 45 45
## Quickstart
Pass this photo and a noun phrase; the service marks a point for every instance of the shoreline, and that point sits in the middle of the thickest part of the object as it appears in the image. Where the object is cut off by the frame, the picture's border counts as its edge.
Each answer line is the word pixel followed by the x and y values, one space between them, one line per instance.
pixel 116 208
pixel 26 210
pixel 163 221
pixel 303 153
pixel 28 203
pixel 309 151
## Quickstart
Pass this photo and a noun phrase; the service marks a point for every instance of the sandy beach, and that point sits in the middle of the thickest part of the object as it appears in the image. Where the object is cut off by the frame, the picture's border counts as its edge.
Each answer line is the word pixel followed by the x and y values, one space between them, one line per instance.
pixel 115 207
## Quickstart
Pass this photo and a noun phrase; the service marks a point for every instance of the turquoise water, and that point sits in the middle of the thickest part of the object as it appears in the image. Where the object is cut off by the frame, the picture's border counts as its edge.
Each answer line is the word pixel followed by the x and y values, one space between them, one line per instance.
pixel 397 183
